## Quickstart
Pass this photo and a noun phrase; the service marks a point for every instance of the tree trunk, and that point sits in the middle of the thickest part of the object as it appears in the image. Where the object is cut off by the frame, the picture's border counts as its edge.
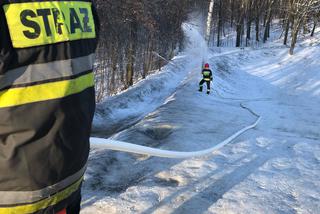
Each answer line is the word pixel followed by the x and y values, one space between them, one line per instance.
pixel 147 59
pixel 219 24
pixel 129 69
pixel 295 32
pixel 314 28
pixel 114 61
pixel 240 25
pixel 131 55
pixel 239 32
pixel 145 64
pixel 293 41
pixel 286 34
pixel 305 25
pixel 209 21
pixel 257 28
pixel 248 32
pixel 268 22
pixel 232 13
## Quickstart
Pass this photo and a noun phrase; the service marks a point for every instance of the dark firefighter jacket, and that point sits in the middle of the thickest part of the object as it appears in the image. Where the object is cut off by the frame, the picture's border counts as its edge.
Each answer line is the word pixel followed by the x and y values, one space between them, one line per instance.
pixel 207 74
pixel 46 101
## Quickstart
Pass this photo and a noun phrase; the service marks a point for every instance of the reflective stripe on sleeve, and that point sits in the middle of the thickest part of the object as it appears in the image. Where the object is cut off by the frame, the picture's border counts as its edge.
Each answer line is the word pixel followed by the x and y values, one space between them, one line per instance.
pixel 46 71
pixel 47 91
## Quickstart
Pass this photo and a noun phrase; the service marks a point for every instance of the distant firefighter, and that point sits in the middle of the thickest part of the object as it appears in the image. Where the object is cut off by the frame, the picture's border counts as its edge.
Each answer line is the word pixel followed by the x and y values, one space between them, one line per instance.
pixel 207 77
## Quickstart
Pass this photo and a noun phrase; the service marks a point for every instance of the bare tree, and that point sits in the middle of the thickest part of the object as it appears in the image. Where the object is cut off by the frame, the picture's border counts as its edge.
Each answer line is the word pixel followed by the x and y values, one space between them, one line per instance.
pixel 131 32
pixel 301 9
pixel 138 37
pixel 270 4
pixel 209 21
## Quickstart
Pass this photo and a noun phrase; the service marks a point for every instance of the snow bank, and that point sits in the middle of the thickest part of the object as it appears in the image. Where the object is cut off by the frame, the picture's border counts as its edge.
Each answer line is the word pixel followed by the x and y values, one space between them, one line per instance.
pixel 123 110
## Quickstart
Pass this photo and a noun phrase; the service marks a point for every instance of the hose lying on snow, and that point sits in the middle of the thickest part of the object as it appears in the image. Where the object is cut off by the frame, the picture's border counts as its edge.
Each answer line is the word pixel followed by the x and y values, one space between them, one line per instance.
pixel 143 150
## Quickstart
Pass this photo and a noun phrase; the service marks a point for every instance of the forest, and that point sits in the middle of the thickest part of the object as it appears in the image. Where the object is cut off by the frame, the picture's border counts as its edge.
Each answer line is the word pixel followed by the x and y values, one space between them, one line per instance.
pixel 138 37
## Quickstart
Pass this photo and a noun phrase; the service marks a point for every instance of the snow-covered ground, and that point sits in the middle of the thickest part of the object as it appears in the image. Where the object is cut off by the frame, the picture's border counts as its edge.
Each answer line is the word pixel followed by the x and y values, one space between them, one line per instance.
pixel 121 111
pixel 274 168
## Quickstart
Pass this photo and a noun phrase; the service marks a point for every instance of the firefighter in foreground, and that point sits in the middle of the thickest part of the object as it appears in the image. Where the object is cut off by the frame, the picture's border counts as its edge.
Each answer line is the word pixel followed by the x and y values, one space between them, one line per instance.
pixel 47 103
pixel 207 78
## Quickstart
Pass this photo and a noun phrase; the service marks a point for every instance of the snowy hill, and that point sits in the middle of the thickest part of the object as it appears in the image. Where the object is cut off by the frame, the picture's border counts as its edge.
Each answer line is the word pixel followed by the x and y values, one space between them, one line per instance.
pixel 274 168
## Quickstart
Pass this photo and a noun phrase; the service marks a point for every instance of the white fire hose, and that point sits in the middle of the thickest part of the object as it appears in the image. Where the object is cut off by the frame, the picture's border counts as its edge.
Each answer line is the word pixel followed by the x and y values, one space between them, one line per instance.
pixel 100 143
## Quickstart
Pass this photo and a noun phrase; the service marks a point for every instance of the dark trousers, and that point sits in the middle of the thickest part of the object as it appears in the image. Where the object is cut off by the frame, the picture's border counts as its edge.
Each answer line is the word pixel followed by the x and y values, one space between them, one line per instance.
pixel 202 82
pixel 74 208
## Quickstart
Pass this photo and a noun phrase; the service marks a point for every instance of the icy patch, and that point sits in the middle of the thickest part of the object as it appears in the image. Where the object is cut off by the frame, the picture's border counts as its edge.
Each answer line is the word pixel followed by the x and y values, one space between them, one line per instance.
pixel 169 180
pixel 158 132
pixel 263 142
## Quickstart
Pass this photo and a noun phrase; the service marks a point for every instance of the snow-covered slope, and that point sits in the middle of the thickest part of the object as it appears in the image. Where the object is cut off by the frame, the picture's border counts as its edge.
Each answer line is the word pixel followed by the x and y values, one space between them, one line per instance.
pixel 272 169
pixel 123 110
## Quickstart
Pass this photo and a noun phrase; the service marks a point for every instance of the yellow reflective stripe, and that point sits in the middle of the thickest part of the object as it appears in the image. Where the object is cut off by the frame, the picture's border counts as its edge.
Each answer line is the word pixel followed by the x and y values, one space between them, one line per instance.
pixel 46 91
pixel 12 198
pixel 40 23
pixel 44 71
pixel 50 201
